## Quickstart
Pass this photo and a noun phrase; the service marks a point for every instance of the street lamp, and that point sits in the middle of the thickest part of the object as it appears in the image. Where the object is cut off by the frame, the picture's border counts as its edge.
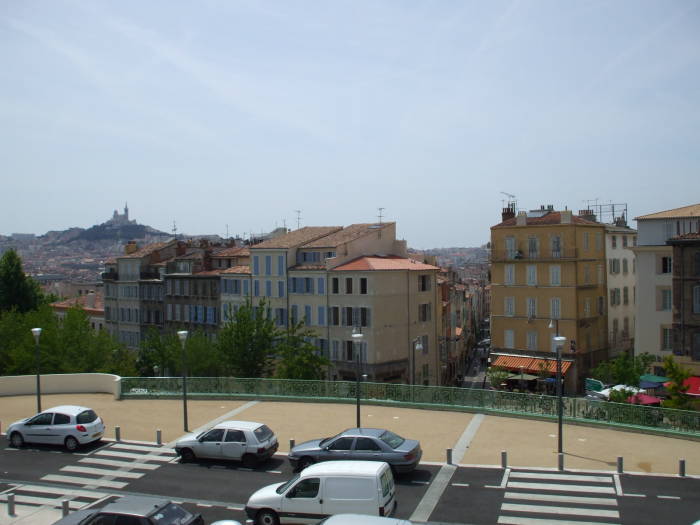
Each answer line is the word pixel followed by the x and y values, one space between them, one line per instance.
pixel 357 338
pixel 559 344
pixel 36 332
pixel 417 347
pixel 182 335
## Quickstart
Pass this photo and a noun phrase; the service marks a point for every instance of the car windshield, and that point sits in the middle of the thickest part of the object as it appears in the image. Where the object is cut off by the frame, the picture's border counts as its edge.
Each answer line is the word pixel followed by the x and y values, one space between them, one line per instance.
pixel 171 514
pixel 391 439
pixel 286 484
pixel 87 416
pixel 263 433
pixel 324 441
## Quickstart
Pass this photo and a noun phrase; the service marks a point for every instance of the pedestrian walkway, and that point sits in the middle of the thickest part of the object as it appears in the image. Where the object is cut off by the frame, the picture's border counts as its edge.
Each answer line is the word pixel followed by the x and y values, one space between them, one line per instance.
pixel 537 497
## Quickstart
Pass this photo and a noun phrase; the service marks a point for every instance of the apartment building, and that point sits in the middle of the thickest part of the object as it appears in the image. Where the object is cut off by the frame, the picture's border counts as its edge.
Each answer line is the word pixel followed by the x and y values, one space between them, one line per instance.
pixel 548 268
pixel 621 270
pixel 654 327
pixel 686 299
pixel 90 301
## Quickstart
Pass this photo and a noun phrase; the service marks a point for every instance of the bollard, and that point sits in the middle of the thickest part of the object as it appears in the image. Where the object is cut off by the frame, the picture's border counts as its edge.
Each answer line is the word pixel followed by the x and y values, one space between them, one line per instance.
pixel 10 504
pixel 681 468
pixel 65 507
pixel 449 456
pixel 117 433
pixel 561 460
pixel 620 468
pixel 291 444
pixel 159 437
pixel 504 459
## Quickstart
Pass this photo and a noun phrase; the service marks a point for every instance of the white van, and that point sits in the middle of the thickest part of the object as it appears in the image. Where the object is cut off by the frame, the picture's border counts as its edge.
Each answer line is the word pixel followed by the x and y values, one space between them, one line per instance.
pixel 333 487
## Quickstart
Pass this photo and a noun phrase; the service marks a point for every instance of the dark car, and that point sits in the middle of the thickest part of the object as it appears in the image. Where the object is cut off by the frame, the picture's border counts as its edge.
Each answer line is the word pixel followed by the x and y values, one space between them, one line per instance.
pixel 374 444
pixel 134 510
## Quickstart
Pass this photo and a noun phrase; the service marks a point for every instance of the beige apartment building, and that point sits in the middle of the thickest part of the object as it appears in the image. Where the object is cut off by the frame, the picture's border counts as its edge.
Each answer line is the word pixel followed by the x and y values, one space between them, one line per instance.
pixel 548 268
pixel 621 268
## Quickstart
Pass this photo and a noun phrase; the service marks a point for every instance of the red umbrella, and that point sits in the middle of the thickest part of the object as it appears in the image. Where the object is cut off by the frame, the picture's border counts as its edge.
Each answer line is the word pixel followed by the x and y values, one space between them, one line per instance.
pixel 643 399
pixel 693 383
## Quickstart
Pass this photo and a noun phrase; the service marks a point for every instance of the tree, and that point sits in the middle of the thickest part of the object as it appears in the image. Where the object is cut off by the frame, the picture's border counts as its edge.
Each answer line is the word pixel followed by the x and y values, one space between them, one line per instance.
pixel 158 350
pixel 677 396
pixel 17 290
pixel 623 370
pixel 497 375
pixel 246 341
pixel 297 357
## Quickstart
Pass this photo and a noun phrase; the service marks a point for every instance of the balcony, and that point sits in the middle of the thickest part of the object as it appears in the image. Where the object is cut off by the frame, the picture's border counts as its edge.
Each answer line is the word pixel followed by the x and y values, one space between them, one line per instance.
pixel 145 276
pixel 520 255
pixel 110 276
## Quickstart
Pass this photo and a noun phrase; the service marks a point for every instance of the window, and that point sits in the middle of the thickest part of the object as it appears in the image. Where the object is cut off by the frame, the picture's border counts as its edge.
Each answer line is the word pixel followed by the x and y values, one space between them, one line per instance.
pixel 696 299
pixel 624 241
pixel 235 436
pixel 423 283
pixel 348 285
pixel 246 287
pixel 666 300
pixel 509 306
pixel 626 295
pixel 347 316
pixel 508 339
pixel 61 419
pixel 532 340
pixel 342 443
pixel 533 247
pixel 556 246
pixel 280 265
pixel 586 274
pixel 531 307
pixel 598 241
pixel 363 285
pixel 666 265
pixel 555 275
pixel 424 312
pixel 256 265
pixel 586 241
pixel 321 288
pixel 509 274
pixel 532 275
pixel 268 288
pixel 601 305
pixel 306 488
pixel 280 288
pixel 295 314
pixel 321 315
pixel 334 284
pixel 335 350
pixel 334 316
pixel 349 351
pixel 365 316
pixel 666 338
pixel 510 247
pixel 256 288
pixel 625 265
pixel 268 265
pixel 613 239
pixel 366 445
pixel 587 307
pixel 601 274
pixel 307 315
pixel 213 436
pixel 555 308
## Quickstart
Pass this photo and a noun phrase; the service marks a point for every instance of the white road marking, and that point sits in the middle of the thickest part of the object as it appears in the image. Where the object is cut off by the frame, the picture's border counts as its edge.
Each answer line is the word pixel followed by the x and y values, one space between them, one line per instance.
pixel 618 485
pixel 562 488
pixel 573 511
pixel 101 472
pixel 120 464
pixel 152 450
pixel 517 520
pixel 92 482
pixel 131 455
pixel 635 495
pixel 460 484
pixel 560 499
pixel 668 497
pixel 562 477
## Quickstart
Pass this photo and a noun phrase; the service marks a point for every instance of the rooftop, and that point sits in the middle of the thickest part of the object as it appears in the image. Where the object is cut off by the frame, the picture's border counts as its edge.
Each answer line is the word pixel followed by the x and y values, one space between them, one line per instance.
pixel 146 250
pixel 350 233
pixel 232 251
pixel 245 269
pixel 297 237
pixel 549 218
pixel 676 213
pixel 81 301
pixel 383 262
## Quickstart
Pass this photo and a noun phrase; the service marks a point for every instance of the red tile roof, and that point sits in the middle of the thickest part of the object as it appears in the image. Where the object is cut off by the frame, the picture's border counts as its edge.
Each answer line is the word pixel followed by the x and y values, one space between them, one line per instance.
pixel 686 211
pixel 377 262
pixel 236 270
pixel 146 250
pixel 530 365
pixel 297 237
pixel 232 251
pixel 81 300
pixel 553 217
pixel 350 233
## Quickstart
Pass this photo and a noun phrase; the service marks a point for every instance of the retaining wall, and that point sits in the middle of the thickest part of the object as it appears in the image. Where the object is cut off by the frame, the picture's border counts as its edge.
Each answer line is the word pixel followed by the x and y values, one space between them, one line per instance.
pixel 61 384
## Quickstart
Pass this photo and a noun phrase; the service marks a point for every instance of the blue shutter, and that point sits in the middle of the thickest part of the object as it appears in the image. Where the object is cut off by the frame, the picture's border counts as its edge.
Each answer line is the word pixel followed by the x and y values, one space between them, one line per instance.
pixel 280 288
pixel 280 265
pixel 321 315
pixel 268 288
pixel 246 287
pixel 307 315
pixel 256 265
pixel 268 264
pixel 309 285
pixel 256 288
pixel 295 314
pixel 321 285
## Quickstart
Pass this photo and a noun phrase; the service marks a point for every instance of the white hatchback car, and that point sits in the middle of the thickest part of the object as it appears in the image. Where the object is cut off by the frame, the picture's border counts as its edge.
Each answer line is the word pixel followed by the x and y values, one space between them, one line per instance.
pixel 66 425
pixel 244 441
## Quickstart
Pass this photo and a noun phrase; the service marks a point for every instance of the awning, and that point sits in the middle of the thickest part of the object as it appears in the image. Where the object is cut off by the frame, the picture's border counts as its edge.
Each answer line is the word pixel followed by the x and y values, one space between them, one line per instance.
pixel 651 378
pixel 523 377
pixel 529 365
pixel 643 399
pixel 693 383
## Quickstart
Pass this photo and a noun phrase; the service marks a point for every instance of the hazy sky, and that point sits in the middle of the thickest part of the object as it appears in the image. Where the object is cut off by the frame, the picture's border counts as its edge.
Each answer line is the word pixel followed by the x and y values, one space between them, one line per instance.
pixel 211 113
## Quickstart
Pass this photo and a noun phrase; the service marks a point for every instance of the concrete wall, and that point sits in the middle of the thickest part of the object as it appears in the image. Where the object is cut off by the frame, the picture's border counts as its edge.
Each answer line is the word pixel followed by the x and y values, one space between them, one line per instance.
pixel 61 384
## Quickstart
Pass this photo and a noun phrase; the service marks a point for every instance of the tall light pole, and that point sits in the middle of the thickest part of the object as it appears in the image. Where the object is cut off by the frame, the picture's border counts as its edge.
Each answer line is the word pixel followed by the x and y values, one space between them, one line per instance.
pixel 559 344
pixel 36 332
pixel 417 347
pixel 357 339
pixel 182 335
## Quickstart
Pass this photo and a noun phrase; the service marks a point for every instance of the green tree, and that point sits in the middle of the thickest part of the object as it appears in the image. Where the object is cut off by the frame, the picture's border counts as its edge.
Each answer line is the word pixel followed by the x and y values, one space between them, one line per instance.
pixel 297 357
pixel 497 375
pixel 17 290
pixel 161 350
pixel 203 356
pixel 623 370
pixel 677 396
pixel 246 341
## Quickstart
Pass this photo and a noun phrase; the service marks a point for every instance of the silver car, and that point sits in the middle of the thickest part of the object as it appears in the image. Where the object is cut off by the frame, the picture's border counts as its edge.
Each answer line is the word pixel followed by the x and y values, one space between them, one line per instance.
pixel 67 425
pixel 374 444
pixel 244 441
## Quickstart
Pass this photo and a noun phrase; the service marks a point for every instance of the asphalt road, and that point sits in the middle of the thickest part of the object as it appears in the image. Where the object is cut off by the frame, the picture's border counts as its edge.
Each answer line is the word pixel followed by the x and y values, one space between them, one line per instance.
pixel 219 490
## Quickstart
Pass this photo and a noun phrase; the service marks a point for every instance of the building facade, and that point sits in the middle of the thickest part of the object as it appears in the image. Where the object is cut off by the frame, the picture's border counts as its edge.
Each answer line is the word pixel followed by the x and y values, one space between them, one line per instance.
pixel 621 270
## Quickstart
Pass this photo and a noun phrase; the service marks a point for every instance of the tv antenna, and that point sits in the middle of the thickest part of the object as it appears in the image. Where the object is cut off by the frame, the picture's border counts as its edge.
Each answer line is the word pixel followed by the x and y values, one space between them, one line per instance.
pixel 380 215
pixel 174 229
pixel 511 199
pixel 298 212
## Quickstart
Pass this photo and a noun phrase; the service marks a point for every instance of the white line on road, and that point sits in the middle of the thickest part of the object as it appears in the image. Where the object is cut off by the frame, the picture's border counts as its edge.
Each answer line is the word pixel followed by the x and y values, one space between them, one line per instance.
pixel 518 520
pixel 668 497
pixel 560 499
pixel 562 477
pixel 561 488
pixel 101 472
pixel 572 511
pixel 131 455
pixel 460 484
pixel 117 463
pixel 92 482
pixel 635 495
pixel 420 482
pixel 152 450
pixel 618 485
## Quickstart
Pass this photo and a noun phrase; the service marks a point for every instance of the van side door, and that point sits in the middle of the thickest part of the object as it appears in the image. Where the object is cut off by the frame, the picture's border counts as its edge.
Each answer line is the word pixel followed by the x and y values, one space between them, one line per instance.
pixel 303 503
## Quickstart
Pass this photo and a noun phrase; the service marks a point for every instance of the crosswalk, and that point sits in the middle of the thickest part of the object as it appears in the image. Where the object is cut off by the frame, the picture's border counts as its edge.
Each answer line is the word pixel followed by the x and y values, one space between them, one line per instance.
pixel 559 498
pixel 94 476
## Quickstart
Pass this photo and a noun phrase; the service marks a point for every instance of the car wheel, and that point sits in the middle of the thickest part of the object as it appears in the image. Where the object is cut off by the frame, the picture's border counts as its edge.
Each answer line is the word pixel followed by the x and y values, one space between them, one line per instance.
pixel 249 461
pixel 267 517
pixel 71 443
pixel 305 462
pixel 16 440
pixel 187 455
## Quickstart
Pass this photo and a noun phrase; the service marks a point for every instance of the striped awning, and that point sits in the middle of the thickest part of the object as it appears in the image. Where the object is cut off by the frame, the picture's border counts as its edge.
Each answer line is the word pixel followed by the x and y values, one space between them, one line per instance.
pixel 530 365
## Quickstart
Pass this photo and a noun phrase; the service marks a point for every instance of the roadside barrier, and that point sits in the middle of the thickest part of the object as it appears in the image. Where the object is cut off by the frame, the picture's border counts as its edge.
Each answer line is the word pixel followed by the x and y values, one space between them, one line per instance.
pixel 504 459
pixel 620 465
pixel 681 468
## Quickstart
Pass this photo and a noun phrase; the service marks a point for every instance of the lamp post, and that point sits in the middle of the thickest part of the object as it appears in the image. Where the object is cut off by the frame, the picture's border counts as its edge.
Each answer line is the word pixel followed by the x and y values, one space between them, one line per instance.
pixel 417 347
pixel 36 332
pixel 357 338
pixel 559 343
pixel 182 335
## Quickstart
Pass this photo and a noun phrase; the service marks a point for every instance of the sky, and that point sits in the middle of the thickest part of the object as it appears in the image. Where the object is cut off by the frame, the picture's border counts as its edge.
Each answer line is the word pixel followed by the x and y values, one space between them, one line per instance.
pixel 230 115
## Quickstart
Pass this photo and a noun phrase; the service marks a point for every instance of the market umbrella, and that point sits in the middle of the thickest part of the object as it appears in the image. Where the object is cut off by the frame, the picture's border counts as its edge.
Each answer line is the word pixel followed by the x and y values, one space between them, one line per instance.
pixel 693 383
pixel 644 399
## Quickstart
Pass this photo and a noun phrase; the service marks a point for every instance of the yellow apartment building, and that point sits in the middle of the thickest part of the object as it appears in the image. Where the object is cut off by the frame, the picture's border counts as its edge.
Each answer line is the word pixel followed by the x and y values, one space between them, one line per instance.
pixel 548 269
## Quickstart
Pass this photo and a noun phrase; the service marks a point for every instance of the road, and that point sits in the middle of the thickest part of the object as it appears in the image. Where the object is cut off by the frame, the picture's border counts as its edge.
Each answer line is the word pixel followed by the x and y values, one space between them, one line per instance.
pixel 465 495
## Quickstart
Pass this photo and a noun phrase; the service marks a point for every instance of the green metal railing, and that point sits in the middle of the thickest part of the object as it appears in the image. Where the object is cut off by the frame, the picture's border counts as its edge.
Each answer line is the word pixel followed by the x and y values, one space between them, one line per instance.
pixel 662 420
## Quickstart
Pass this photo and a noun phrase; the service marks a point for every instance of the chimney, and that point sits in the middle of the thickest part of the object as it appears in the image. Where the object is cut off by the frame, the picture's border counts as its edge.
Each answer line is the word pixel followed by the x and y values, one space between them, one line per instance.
pixel 565 216
pixel 131 247
pixel 521 219
pixel 90 299
pixel 508 213
pixel 587 215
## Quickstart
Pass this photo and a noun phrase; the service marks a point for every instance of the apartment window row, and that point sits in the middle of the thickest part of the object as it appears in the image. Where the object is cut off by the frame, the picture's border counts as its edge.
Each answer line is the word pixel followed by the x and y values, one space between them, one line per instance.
pixel 348 285
pixel 129 338
pixel 348 350
pixel 129 291
pixel 154 292
pixel 187 287
pixel 191 313
pixel 349 316
pixel 509 309
pixel 306 285
pixel 531 275
pixel 123 315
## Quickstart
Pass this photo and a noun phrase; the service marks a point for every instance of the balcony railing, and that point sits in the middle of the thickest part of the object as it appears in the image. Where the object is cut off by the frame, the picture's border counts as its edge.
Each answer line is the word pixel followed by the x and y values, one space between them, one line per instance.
pixel 521 255
pixel 110 276
pixel 150 275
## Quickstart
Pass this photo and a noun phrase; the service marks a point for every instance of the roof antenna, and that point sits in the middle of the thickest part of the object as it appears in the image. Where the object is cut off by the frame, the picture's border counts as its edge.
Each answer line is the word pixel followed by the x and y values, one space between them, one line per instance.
pixel 174 229
pixel 298 212
pixel 380 216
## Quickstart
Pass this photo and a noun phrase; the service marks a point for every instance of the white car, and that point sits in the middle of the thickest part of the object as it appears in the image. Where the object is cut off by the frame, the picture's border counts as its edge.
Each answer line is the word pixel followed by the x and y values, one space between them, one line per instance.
pixel 361 519
pixel 66 425
pixel 244 441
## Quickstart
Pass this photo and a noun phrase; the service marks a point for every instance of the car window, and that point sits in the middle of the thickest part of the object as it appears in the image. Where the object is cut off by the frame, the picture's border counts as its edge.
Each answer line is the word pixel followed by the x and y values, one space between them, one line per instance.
pixel 286 484
pixel 61 419
pixel 171 514
pixel 387 482
pixel 366 444
pixel 129 520
pixel 101 519
pixel 391 439
pixel 307 488
pixel 343 443
pixel 263 433
pixel 235 436
pixel 87 416
pixel 216 434
pixel 41 419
